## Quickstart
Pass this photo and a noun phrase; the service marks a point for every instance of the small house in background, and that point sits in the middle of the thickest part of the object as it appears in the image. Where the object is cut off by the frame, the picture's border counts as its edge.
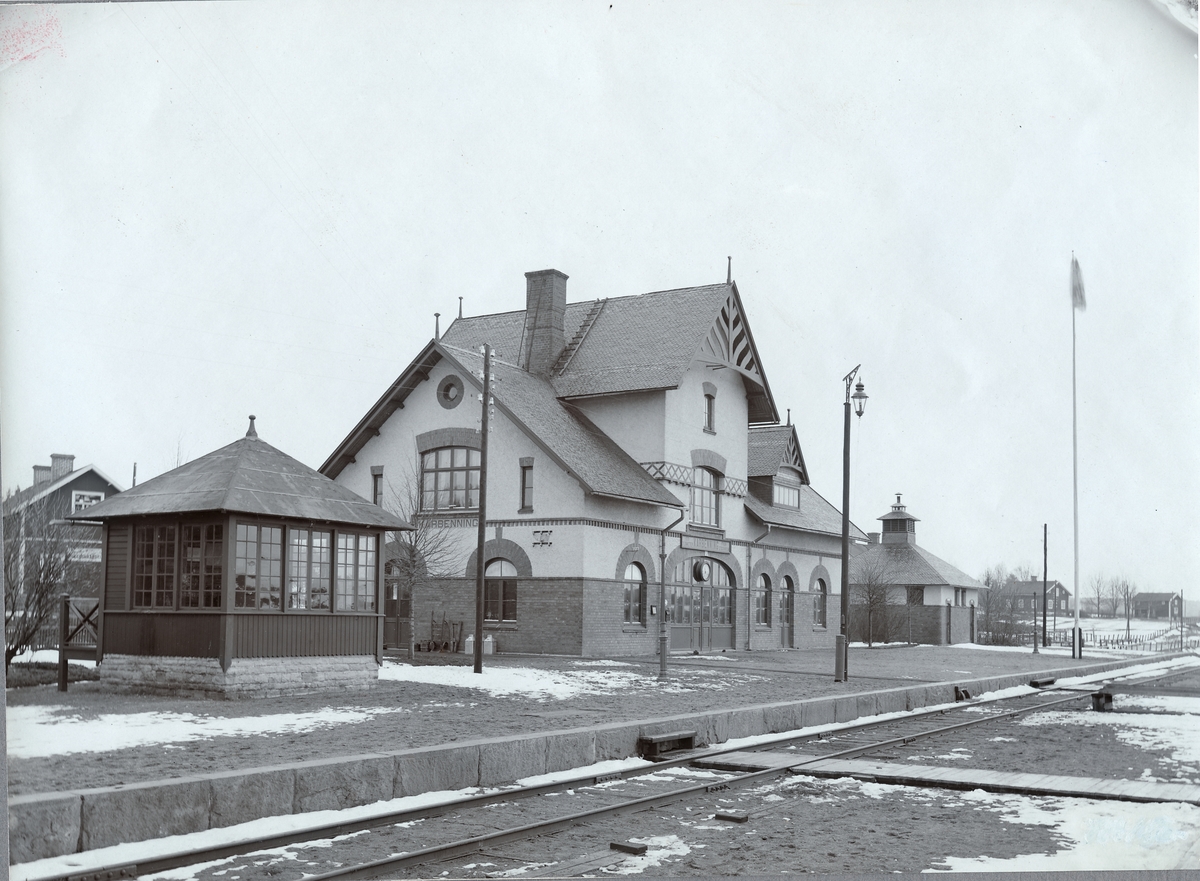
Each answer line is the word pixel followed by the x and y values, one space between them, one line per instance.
pixel 900 592
pixel 1157 605
pixel 34 518
pixel 241 573
pixel 1027 596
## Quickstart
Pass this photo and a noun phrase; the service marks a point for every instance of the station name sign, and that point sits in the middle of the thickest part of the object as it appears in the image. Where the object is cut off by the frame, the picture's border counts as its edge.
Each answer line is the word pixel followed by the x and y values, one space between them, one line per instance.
pixel 451 522
pixel 700 543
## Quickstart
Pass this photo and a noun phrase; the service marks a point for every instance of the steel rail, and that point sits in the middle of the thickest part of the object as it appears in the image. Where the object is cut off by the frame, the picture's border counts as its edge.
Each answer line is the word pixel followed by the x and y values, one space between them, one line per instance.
pixel 438 853
pixel 191 857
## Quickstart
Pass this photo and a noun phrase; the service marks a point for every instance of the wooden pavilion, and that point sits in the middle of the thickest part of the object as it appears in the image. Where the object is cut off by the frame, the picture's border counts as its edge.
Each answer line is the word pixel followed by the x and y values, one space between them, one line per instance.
pixel 241 573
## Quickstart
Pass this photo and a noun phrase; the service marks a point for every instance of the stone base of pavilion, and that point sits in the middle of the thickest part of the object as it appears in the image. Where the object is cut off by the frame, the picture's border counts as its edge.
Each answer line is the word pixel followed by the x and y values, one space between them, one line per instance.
pixel 245 678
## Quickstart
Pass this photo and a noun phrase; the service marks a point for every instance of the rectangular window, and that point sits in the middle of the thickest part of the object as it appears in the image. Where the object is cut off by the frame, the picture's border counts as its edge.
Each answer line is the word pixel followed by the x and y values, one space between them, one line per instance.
pixel 377 486
pixel 258 567
pixel 450 479
pixel 355 573
pixel 308 568
pixel 916 596
pixel 788 496
pixel 500 599
pixel 705 506
pixel 154 567
pixel 721 607
pixel 211 587
pixel 710 413
pixel 526 487
pixel 81 500
pixel 761 616
pixel 190 566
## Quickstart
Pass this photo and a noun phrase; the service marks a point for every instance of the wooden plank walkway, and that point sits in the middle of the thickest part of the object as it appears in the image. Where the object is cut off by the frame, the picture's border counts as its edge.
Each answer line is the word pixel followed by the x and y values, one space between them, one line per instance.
pixel 959 778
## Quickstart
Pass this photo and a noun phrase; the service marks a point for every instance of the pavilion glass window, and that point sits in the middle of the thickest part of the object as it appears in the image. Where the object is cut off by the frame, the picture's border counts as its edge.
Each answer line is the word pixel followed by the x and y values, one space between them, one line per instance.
pixel 354 583
pixel 309 568
pixel 258 567
pixel 500 591
pixel 635 594
pixel 201 564
pixel 154 567
pixel 450 479
pixel 706 507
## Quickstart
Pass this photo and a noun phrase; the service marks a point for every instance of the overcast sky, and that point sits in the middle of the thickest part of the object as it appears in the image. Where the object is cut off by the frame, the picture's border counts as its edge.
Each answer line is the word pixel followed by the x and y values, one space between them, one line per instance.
pixel 211 210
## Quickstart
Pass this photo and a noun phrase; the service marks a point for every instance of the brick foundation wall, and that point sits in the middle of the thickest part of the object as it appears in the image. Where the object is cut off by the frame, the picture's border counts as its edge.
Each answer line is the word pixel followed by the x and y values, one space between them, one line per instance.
pixel 246 677
pixel 549 614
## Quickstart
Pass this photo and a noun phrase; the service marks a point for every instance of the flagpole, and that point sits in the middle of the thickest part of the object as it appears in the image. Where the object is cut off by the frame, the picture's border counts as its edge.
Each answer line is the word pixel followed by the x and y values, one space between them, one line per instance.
pixel 1077 302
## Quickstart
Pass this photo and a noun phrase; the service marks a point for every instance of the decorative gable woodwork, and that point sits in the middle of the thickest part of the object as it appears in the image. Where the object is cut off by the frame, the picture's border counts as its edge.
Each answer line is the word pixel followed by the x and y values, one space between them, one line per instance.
pixel 728 341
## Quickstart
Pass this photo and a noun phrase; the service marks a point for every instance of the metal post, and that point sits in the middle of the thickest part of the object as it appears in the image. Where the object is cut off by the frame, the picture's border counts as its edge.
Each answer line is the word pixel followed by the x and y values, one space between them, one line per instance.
pixel 1045 579
pixel 662 598
pixel 485 425
pixel 64 621
pixel 1033 601
pixel 1076 633
pixel 841 671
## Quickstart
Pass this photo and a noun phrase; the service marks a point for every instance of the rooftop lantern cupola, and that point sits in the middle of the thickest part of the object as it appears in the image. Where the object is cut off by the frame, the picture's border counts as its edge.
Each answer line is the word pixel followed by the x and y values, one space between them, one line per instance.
pixel 899 526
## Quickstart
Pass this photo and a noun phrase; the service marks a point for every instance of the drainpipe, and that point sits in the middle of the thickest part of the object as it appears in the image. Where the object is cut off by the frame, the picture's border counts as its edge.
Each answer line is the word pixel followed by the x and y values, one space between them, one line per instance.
pixel 662 597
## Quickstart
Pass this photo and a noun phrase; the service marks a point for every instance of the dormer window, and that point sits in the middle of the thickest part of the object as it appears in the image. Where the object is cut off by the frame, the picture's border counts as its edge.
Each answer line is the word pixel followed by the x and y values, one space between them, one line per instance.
pixel 785 495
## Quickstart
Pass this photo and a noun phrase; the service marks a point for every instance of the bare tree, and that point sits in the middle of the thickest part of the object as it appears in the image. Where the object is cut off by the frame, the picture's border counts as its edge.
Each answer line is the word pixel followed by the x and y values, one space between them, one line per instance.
pixel 1023 572
pixel 1098 585
pixel 1113 596
pixel 1126 590
pixel 415 557
pixel 872 586
pixel 1000 621
pixel 40 559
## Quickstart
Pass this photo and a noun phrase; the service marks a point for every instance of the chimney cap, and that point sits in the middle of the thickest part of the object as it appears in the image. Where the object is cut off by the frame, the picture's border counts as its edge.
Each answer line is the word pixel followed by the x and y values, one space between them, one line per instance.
pixel 538 272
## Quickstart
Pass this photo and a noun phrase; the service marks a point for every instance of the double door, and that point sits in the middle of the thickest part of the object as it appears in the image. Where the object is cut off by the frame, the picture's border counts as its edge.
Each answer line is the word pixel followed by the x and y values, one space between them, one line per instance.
pixel 701 618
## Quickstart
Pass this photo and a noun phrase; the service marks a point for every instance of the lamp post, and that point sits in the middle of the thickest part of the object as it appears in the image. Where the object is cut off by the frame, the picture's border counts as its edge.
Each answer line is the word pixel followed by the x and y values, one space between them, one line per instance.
pixel 842 647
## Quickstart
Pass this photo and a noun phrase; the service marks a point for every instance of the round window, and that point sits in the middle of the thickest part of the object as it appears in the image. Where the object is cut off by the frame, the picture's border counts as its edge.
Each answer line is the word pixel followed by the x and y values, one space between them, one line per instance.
pixel 450 392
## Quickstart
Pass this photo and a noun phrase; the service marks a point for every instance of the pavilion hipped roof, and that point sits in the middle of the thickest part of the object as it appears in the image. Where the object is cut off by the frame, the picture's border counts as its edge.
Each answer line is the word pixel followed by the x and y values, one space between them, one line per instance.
pixel 249 476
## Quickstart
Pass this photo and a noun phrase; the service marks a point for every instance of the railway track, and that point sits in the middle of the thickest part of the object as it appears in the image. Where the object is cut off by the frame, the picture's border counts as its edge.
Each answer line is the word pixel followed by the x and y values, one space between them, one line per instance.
pixel 486 823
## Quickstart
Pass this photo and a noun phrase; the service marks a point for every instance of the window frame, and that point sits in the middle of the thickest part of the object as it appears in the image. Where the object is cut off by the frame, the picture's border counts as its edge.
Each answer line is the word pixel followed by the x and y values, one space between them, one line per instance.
pixel 157 572
pixel 78 495
pixel 307 578
pixel 500 592
pixel 701 490
pixel 526 488
pixel 762 600
pixel 430 495
pixel 710 413
pixel 634 606
pixel 821 604
pixel 350 562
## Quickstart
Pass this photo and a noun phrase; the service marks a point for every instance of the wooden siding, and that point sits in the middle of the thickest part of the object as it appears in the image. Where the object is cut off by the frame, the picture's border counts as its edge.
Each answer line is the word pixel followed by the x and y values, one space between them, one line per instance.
pixel 298 635
pixel 162 634
pixel 116 566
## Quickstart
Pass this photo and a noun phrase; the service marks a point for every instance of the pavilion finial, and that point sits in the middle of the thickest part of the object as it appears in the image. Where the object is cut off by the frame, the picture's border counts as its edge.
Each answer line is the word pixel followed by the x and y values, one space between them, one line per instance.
pixel 250 432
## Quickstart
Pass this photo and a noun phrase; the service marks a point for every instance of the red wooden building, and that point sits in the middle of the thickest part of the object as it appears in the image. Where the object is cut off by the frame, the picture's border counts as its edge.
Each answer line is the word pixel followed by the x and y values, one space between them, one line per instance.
pixel 243 572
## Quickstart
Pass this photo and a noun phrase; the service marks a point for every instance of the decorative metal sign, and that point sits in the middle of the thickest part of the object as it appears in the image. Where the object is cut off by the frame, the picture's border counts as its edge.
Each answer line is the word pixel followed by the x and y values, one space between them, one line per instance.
pixel 699 543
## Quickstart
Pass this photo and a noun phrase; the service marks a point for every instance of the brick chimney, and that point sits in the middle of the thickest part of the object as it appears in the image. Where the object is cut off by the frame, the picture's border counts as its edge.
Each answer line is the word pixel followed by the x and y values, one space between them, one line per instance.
pixel 872 538
pixel 41 474
pixel 61 465
pixel 543 338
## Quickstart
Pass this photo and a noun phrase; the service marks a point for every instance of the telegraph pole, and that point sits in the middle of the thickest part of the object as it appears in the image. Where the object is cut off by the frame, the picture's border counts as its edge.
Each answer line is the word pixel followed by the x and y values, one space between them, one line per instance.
pixel 485 426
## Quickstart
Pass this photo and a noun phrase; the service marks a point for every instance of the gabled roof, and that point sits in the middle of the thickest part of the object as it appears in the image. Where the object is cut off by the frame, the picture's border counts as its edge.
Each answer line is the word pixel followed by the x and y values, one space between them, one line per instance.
pixel 769 447
pixel 566 435
pixel 638 343
pixel 31 494
pixel 1160 597
pixel 908 564
pixel 814 515
pixel 249 476
pixel 1035 583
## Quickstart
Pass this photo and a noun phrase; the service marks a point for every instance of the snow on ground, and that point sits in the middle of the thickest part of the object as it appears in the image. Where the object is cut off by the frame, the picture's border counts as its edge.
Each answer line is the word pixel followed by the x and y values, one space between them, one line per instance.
pixel 45 656
pixel 43 731
pixel 1095 835
pixel 584 677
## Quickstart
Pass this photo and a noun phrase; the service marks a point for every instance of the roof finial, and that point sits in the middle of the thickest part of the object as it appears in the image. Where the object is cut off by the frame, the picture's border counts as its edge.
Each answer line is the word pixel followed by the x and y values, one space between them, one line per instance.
pixel 460 307
pixel 789 422
pixel 437 325
pixel 250 432
pixel 729 271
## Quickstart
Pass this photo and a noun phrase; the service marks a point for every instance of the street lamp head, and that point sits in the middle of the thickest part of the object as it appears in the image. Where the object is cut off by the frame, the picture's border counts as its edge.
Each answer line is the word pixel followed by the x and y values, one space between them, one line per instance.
pixel 859 397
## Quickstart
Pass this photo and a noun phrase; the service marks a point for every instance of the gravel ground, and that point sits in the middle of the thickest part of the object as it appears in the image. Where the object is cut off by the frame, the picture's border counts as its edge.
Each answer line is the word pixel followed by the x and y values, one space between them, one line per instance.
pixel 414 714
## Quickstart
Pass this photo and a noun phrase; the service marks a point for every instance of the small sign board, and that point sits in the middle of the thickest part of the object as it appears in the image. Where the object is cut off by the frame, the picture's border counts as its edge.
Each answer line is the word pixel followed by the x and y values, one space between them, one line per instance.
pixel 702 543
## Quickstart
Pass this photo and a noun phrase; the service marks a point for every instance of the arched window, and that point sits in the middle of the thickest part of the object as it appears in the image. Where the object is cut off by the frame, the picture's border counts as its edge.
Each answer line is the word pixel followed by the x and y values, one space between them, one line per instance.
pixel 450 479
pixel 635 594
pixel 819 603
pixel 500 591
pixel 762 600
pixel 785 600
pixel 706 507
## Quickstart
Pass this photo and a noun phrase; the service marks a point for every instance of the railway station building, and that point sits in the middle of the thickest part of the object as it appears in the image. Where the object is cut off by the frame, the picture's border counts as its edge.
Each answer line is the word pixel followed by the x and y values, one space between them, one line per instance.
pixel 635 451
pixel 900 592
